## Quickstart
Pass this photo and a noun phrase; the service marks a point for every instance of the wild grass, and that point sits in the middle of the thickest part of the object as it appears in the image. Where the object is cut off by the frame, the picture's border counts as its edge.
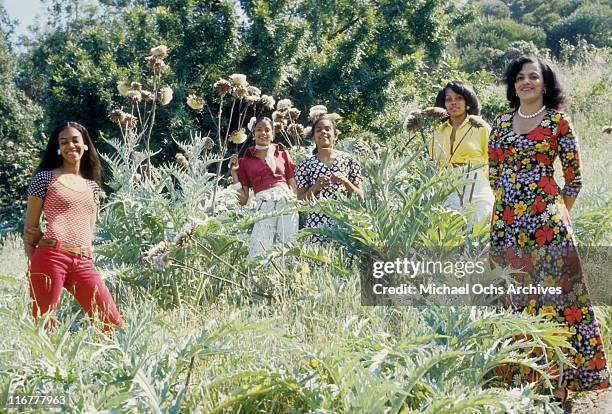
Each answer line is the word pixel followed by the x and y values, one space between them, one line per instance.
pixel 193 343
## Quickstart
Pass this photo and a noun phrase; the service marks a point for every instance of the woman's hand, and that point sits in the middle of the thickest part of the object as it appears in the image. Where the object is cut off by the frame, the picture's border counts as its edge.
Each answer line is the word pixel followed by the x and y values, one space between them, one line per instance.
pixel 350 187
pixel 321 182
pixel 234 164
pixel 32 234
pixel 339 178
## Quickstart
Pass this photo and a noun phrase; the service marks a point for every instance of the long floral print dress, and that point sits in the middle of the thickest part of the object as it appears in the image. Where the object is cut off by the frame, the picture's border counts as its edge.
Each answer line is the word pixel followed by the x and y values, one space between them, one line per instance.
pixel 531 230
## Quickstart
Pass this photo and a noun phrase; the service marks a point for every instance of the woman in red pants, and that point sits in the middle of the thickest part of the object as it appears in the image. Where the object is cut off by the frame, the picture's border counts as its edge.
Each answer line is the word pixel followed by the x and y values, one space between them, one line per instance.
pixel 66 188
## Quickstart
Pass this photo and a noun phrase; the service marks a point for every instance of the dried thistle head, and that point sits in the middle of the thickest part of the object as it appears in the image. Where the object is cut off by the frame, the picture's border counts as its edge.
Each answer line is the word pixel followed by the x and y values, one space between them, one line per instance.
pixel 184 236
pixel 222 87
pixel 238 137
pixel 162 261
pixel 360 148
pixel 267 101
pixel 376 148
pixel 209 143
pixel 116 115
pixel 241 92
pixel 156 250
pixel 316 112
pixel 181 160
pixel 278 116
pixel 295 130
pixel 147 96
pixel 413 121
pixel 129 121
pixel 253 90
pixel 133 96
pixel 251 99
pixel 238 79
pixel 279 126
pixel 165 95
pixel 435 112
pixel 122 118
pixel 334 117
pixel 156 64
pixel 294 114
pixel 476 121
pixel 160 51
pixel 195 102
pixel 137 86
pixel 307 131
pixel 122 88
pixel 284 104
pixel 607 129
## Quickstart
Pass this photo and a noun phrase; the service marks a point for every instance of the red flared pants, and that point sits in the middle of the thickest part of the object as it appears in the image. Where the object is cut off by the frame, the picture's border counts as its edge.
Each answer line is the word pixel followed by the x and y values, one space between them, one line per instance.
pixel 52 269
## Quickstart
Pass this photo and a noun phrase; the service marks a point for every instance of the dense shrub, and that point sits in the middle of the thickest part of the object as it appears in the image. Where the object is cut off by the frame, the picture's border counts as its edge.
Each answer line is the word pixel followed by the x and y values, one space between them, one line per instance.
pixel 591 23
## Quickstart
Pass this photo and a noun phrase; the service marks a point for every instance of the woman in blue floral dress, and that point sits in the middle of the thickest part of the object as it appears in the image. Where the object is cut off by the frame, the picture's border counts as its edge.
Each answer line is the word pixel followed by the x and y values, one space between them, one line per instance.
pixel 531 227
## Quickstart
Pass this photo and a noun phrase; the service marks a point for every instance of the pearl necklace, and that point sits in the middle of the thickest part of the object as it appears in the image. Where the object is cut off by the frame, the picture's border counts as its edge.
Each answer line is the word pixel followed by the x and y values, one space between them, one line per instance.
pixel 533 115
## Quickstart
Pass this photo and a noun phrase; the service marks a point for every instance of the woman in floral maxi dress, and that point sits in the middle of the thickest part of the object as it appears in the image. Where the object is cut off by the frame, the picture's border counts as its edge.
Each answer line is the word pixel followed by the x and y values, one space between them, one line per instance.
pixel 531 227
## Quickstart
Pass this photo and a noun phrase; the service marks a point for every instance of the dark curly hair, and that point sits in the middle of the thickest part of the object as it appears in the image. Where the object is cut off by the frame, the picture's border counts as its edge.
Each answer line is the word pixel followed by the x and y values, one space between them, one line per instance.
pixel 460 88
pixel 90 166
pixel 554 95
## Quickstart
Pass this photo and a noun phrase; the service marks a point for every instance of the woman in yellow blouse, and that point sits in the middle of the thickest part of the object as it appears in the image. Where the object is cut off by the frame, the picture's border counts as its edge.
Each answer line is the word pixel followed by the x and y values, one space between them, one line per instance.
pixel 461 141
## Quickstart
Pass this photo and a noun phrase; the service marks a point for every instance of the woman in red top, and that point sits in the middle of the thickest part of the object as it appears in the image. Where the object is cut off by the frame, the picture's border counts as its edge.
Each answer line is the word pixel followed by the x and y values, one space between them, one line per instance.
pixel 271 174
pixel 66 188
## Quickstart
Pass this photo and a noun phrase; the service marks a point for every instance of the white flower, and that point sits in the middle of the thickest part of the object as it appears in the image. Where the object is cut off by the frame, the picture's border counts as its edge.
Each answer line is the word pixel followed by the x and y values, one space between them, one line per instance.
pixel 334 117
pixel 316 112
pixel 267 101
pixel 238 79
pixel 195 102
pixel 284 104
pixel 253 90
pixel 160 51
pixel 165 95
pixel 238 137
pixel 122 88
pixel 251 123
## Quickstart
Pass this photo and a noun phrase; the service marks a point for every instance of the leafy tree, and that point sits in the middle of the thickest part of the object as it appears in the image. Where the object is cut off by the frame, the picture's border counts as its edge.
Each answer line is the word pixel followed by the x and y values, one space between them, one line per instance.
pixel 18 120
pixel 493 8
pixel 491 43
pixel 591 23
pixel 347 51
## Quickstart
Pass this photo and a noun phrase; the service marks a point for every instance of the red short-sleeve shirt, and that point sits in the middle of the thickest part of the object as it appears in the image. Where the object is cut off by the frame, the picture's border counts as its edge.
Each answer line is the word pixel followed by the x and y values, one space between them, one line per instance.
pixel 255 173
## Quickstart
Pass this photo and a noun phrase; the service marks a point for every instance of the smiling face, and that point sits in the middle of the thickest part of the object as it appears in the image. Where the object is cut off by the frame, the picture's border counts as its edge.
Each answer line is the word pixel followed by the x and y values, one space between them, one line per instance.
pixel 529 83
pixel 454 104
pixel 71 145
pixel 264 133
pixel 324 134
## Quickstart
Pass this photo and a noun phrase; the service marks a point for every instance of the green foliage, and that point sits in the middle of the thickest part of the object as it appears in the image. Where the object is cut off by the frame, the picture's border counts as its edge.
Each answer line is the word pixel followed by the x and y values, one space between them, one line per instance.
pixel 18 150
pixel 498 33
pixel 591 23
pixel 497 9
pixel 542 13
pixel 492 43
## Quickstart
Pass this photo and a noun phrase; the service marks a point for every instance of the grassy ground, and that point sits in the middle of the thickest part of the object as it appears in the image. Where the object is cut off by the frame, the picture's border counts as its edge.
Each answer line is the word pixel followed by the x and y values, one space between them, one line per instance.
pixel 238 354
